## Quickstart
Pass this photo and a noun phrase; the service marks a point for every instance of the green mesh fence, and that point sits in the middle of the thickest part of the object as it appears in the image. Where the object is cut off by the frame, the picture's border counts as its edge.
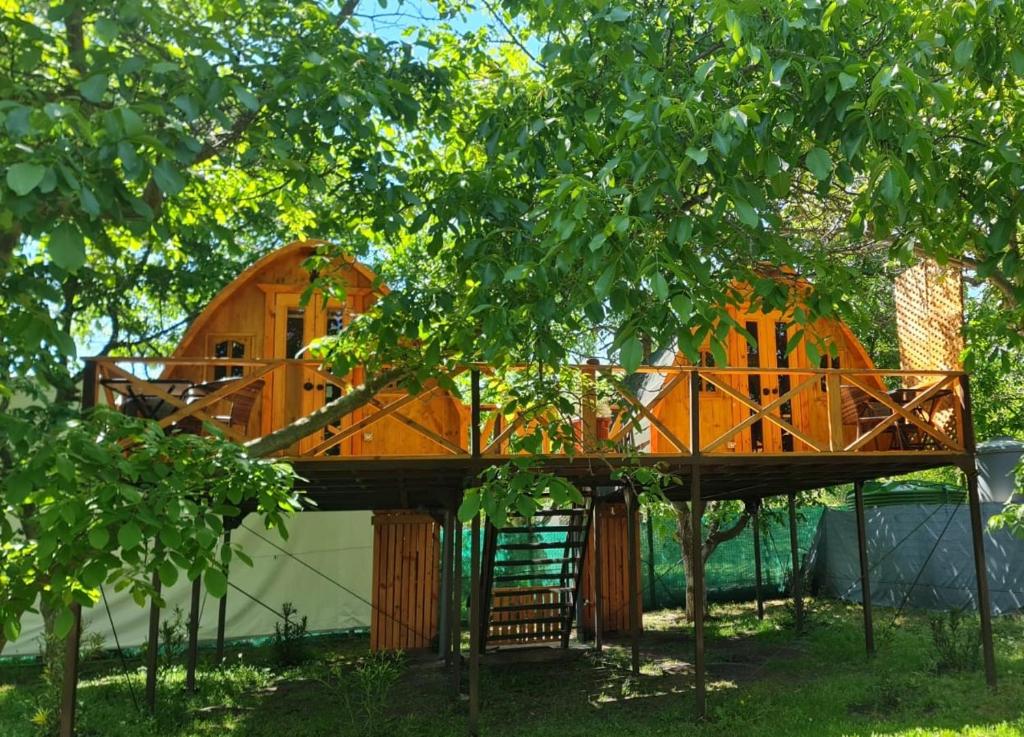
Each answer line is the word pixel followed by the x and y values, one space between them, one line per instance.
pixel 730 569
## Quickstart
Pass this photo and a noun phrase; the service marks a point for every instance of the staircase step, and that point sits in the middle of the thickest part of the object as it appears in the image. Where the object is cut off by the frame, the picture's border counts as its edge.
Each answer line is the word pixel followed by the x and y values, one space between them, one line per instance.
pixel 552 635
pixel 534 562
pixel 540 546
pixel 534 530
pixel 539 590
pixel 534 577
pixel 531 620
pixel 531 607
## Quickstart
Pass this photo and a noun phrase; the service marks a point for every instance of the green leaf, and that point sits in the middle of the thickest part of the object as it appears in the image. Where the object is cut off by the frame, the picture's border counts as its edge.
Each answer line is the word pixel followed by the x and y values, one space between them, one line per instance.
pixel 168 178
pixel 216 582
pixel 67 247
pixel 470 506
pixel 660 286
pixel 779 70
pixel 746 213
pixel 631 354
pixel 246 97
pixel 699 155
pixel 12 628
pixel 129 536
pixel 168 573
pixel 94 87
pixel 735 28
pixel 597 241
pixel 132 123
pixel 963 51
pixel 24 177
pixel 63 623
pixel 99 537
pixel 819 163
pixel 847 81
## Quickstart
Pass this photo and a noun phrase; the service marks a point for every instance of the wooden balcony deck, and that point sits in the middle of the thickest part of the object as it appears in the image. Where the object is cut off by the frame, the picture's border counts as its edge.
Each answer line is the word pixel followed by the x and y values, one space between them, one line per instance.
pixel 405 450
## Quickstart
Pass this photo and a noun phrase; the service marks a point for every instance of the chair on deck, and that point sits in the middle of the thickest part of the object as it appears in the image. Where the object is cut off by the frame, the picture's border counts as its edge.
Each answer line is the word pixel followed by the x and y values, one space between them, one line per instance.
pixel 860 410
pixel 241 402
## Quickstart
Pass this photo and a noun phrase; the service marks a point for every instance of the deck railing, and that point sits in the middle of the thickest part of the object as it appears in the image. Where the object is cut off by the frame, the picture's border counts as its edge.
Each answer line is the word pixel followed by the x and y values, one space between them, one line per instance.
pixel 589 409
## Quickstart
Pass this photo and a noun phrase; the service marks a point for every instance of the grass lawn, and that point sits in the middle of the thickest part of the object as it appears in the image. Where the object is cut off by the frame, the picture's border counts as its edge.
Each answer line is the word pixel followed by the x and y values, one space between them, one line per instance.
pixel 764 681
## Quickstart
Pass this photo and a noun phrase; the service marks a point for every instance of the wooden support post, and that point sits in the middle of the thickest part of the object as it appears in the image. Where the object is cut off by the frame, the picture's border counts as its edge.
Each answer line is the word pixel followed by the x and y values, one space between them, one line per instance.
pixel 977 537
pixel 634 584
pixel 758 594
pixel 192 660
pixel 474 629
pixel 474 427
pixel 981 572
pixel 455 613
pixel 697 543
pixel 795 580
pixel 153 646
pixel 444 630
pixel 597 567
pixel 650 561
pixel 588 409
pixel 222 610
pixel 69 688
pixel 865 578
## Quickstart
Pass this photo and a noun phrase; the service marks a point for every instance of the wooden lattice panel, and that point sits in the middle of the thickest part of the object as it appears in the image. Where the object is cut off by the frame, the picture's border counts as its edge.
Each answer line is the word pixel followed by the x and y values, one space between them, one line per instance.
pixel 929 319
pixel 506 624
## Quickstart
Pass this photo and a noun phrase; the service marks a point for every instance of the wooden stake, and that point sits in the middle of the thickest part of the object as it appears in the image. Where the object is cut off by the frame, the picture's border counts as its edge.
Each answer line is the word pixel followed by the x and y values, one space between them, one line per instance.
pixel 650 561
pixel 758 597
pixel 981 572
pixel 444 647
pixel 193 637
pixel 153 646
pixel 455 613
pixel 697 542
pixel 222 611
pixel 595 528
pixel 865 580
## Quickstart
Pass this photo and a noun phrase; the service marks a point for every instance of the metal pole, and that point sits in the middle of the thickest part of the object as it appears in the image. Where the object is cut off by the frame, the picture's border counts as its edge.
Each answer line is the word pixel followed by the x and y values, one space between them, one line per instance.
pixel 650 561
pixel 977 539
pixel 193 637
pixel 595 527
pixel 865 580
pixel 758 596
pixel 474 629
pixel 447 551
pixel 69 688
pixel 455 613
pixel 981 572
pixel 153 646
pixel 697 545
pixel 222 610
pixel 795 583
pixel 634 584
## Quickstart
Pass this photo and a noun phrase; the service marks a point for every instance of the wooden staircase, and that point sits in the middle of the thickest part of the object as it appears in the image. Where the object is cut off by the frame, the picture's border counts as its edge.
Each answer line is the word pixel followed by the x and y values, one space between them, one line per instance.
pixel 531 576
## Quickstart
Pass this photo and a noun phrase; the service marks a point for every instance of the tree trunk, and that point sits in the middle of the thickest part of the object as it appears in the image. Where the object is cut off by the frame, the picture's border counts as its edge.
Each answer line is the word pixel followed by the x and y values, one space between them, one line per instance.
pixel 715 537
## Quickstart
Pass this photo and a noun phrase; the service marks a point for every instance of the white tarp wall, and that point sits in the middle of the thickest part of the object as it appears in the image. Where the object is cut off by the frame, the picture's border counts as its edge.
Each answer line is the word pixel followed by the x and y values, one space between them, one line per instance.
pixel 339 544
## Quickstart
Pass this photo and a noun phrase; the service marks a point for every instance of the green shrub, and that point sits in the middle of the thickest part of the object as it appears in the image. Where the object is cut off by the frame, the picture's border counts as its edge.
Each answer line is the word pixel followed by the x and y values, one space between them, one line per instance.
pixel 957 641
pixel 289 637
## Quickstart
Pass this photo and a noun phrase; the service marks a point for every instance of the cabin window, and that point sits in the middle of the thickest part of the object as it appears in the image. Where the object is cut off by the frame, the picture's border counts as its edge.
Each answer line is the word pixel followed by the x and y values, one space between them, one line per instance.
pixel 782 361
pixel 295 332
pixel 706 359
pixel 229 346
pixel 335 320
pixel 824 363
pixel 754 382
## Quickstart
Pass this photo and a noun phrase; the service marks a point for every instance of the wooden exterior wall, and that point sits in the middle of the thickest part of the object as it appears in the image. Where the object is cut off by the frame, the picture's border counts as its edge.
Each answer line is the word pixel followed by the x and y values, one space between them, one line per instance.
pixel 254 314
pixel 720 412
pixel 611 520
pixel 406 575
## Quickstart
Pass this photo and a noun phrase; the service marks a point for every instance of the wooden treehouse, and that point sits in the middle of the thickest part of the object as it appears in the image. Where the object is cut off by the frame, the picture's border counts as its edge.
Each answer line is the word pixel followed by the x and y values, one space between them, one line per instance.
pixel 766 421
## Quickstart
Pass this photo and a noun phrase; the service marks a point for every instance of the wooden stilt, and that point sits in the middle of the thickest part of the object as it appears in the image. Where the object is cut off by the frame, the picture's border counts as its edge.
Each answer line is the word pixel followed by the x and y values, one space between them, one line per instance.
pixel 595 531
pixel 153 646
pixel 758 594
pixel 455 613
pixel 977 537
pixel 981 572
pixel 796 583
pixel 475 604
pixel 444 630
pixel 865 579
pixel 69 688
pixel 634 586
pixel 697 543
pixel 222 611
pixel 697 512
pixel 193 637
